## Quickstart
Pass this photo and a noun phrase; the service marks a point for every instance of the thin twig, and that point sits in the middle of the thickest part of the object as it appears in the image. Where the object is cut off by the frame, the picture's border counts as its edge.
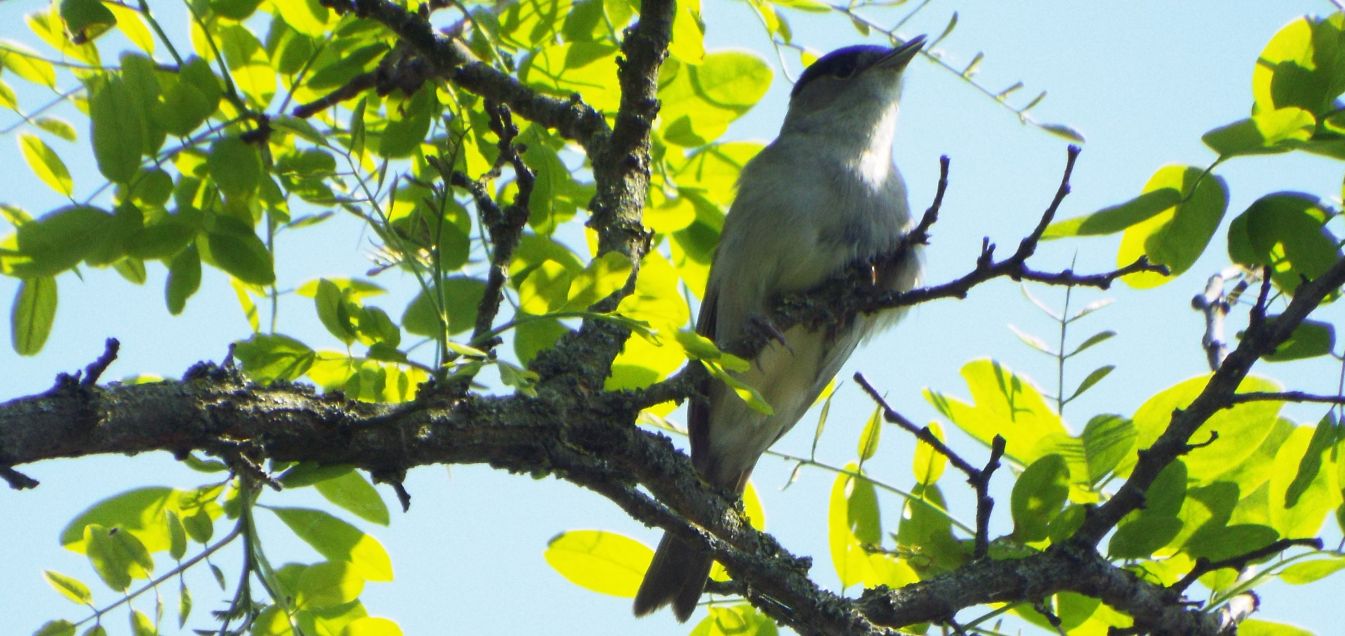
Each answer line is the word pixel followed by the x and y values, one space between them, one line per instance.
pixel 97 367
pixel 1204 566
pixel 16 479
pixel 1285 396
pixel 979 478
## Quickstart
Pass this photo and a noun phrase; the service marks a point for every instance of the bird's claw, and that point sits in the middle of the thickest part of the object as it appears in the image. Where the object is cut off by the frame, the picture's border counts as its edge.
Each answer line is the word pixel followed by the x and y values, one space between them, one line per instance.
pixel 764 325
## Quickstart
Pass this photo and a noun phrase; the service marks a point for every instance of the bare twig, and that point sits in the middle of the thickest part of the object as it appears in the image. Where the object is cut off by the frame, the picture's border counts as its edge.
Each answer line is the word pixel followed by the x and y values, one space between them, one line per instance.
pixel 97 367
pixel 16 479
pixel 984 502
pixel 1204 566
pixel 1285 396
pixel 979 478
pixel 505 226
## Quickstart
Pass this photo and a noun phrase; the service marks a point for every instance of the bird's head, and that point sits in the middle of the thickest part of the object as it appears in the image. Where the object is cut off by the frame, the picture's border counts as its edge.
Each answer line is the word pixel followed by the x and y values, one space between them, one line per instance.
pixel 855 87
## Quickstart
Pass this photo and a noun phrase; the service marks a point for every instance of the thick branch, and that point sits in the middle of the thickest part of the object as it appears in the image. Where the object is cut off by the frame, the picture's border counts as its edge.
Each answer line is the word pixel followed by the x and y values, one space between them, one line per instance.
pixel 1060 568
pixel 1262 337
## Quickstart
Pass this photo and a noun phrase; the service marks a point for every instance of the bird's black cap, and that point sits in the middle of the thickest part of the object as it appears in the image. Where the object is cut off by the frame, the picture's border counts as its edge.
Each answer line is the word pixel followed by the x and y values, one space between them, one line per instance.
pixel 846 61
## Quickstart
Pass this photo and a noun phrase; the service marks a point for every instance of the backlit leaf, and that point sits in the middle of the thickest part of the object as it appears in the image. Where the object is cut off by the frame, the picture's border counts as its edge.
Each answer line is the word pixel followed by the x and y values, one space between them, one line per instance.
pixel 33 313
pixel 600 561
pixel 46 164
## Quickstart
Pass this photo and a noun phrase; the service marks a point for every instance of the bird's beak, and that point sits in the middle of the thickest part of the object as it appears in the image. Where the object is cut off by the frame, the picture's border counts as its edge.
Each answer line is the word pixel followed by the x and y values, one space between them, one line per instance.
pixel 902 55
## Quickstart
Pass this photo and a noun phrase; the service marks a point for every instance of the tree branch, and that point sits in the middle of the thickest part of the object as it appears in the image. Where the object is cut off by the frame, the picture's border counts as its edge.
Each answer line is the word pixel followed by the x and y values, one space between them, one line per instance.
pixel 573 119
pixel 1262 336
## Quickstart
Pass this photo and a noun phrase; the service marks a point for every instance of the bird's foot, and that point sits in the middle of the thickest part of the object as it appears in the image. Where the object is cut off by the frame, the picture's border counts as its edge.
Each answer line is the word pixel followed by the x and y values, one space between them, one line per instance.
pixel 762 325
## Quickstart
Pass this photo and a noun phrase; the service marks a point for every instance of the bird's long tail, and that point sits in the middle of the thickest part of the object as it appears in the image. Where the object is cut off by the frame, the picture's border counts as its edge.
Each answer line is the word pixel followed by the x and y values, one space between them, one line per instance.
pixel 677 576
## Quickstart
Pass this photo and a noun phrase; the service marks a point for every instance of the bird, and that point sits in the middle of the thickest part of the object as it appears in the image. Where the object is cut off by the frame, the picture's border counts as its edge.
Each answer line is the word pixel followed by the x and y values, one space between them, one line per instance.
pixel 822 197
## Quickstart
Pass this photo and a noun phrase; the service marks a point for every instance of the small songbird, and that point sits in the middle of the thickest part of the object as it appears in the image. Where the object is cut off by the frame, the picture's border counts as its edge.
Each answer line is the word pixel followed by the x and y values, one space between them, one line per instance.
pixel 822 197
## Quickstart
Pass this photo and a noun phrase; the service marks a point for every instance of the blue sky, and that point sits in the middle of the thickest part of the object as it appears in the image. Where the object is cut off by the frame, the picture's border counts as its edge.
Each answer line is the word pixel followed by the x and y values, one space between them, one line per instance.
pixel 1142 80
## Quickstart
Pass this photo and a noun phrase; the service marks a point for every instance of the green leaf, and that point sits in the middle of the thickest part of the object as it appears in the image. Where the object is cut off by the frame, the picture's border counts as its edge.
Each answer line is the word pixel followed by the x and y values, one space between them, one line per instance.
pixel 1064 132
pixel 119 129
pixel 46 164
pixel 234 9
pixel 371 626
pixel 177 535
pixel 339 541
pixel 1218 542
pixel 862 515
pixel 69 587
pixel 1301 493
pixel 235 165
pixel 357 131
pixel 141 512
pixel 1264 133
pixel 688 34
pixel 56 126
pixel 247 62
pixel 868 439
pixel 926 528
pixel 309 17
pixel 27 63
pixel 1003 403
pixel 334 311
pixel 141 625
pixel 600 561
pixel 272 357
pixel 33 314
pixel 1106 440
pixel 735 620
pixel 1310 339
pixel 460 298
pixel 328 584
pixel 1140 538
pixel 1310 571
pixel 545 290
pixel 117 556
pixel 140 76
pixel 183 605
pixel 746 393
pixel 1285 231
pixel 184 278
pixel 1097 338
pixel 240 253
pixel 1167 493
pixel 929 463
pixel 1038 496
pixel 61 239
pixel 534 336
pixel 1032 341
pixel 190 100
pixel 1116 218
pixel 352 491
pixel 570 67
pixel 699 101
pixel 1302 66
pixel 60 627
pixel 603 276
pixel 1094 376
pixel 1240 428
pixel 377 330
pixel 1177 235
pixel 162 239
pixel 408 128
pixel 86 19
pixel 847 554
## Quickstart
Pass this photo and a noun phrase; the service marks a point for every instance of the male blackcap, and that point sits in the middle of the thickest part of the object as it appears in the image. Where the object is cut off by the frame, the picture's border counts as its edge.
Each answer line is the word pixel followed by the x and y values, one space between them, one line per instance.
pixel 822 197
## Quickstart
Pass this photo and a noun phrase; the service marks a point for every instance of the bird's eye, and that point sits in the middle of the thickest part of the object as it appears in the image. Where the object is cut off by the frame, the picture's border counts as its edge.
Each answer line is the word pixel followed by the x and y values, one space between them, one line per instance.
pixel 844 71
